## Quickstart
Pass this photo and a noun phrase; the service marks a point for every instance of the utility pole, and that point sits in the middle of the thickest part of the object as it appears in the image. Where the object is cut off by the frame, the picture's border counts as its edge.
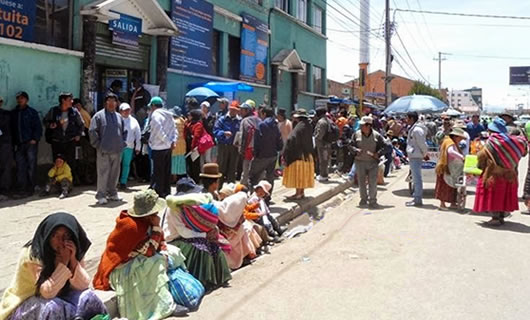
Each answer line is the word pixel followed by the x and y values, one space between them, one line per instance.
pixel 440 59
pixel 388 70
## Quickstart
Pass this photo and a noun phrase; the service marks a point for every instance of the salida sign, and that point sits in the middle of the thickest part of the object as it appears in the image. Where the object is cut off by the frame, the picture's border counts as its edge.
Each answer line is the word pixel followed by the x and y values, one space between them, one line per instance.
pixel 17 19
pixel 125 30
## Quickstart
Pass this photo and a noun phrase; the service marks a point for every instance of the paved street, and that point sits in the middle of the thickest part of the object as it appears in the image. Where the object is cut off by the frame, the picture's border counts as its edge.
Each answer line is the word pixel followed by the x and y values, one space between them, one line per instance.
pixel 397 263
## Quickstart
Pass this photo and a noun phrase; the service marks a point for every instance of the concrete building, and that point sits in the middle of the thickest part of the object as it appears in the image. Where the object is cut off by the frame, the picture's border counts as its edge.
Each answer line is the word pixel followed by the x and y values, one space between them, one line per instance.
pixel 401 86
pixel 278 47
pixel 466 101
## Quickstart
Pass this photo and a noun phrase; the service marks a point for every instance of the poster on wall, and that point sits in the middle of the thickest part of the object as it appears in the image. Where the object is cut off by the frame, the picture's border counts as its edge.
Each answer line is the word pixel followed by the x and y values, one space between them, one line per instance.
pixel 254 49
pixel 17 18
pixel 126 30
pixel 191 49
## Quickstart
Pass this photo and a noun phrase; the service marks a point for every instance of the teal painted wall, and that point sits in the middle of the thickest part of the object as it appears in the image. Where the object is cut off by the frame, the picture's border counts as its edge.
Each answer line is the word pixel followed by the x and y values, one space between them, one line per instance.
pixel 42 75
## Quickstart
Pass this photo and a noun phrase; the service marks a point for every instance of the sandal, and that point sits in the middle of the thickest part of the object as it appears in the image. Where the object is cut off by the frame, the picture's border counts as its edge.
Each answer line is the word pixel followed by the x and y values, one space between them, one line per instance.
pixel 444 209
pixel 295 197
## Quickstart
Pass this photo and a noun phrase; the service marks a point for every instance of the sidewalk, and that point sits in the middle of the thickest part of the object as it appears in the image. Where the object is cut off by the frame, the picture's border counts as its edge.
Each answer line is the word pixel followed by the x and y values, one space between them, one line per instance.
pixel 21 217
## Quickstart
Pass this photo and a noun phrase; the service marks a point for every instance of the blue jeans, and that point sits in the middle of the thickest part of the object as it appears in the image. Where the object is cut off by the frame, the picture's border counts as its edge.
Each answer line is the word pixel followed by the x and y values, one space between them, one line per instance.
pixel 26 159
pixel 126 158
pixel 415 169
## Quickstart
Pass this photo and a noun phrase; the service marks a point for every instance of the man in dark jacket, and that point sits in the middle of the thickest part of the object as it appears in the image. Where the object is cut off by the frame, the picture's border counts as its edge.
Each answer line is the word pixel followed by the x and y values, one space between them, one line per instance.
pixel 6 152
pixel 268 143
pixel 225 130
pixel 323 147
pixel 139 101
pixel 27 131
pixel 64 128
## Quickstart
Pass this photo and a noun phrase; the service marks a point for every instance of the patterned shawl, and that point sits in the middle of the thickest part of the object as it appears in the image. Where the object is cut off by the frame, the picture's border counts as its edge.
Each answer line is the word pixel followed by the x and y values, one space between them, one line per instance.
pixel 506 150
pixel 203 218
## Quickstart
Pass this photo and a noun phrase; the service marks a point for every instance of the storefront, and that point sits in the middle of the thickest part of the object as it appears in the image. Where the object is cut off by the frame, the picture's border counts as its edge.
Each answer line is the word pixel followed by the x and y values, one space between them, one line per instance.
pixel 129 42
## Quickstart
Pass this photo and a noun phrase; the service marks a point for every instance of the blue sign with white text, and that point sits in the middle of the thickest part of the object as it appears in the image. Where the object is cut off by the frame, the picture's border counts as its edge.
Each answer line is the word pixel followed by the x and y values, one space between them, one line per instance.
pixel 191 50
pixel 254 49
pixel 17 19
pixel 126 30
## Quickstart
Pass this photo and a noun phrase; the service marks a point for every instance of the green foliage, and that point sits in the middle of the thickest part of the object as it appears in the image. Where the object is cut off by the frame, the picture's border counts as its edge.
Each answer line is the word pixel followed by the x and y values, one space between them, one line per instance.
pixel 424 89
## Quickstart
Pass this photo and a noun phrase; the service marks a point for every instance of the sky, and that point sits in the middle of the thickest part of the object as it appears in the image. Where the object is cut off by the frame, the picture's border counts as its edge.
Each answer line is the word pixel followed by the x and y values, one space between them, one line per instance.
pixel 425 35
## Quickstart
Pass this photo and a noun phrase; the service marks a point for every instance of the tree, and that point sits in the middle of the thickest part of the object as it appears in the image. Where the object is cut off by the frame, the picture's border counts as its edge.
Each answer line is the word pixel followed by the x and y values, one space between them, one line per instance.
pixel 425 89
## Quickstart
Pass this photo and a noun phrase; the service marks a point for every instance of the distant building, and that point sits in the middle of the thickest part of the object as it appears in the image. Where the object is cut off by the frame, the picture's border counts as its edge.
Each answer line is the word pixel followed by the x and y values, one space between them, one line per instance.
pixel 375 87
pixel 467 101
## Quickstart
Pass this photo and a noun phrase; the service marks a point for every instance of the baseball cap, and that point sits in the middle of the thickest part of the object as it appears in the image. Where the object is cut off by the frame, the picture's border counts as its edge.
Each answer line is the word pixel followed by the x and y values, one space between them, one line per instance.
pixel 111 95
pixel 156 101
pixel 205 104
pixel 22 94
pixel 125 106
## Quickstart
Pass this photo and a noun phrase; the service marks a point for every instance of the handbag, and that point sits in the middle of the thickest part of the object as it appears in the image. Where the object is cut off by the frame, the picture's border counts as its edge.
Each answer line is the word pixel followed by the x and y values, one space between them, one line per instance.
pixel 205 143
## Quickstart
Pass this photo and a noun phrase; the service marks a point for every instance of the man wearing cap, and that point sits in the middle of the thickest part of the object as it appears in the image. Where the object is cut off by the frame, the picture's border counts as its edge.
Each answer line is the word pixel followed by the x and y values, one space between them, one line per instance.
pixel 162 140
pixel 247 133
pixel 108 136
pixel 417 151
pixel 367 145
pixel 225 130
pixel 510 124
pixel 64 128
pixel 133 143
pixel 27 131
pixel 323 147
pixel 6 151
pixel 269 143
pixel 223 107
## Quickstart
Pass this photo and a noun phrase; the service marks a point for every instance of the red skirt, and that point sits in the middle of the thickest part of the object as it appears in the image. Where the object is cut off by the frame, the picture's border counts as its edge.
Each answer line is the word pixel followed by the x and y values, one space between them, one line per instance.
pixel 443 191
pixel 500 196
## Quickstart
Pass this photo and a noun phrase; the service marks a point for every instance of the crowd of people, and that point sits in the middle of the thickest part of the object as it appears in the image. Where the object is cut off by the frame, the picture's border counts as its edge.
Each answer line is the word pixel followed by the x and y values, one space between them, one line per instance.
pixel 168 249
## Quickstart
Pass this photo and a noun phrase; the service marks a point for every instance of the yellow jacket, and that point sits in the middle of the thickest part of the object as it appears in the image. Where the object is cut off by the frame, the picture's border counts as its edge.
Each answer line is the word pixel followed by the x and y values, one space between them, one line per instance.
pixel 61 173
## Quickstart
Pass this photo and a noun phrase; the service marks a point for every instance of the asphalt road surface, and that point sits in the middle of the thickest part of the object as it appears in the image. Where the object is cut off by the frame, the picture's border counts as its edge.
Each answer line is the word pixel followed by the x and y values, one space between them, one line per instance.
pixel 394 263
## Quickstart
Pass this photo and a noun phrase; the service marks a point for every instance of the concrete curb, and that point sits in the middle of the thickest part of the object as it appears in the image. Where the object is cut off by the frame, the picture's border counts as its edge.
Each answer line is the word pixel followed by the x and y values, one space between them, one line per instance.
pixel 287 213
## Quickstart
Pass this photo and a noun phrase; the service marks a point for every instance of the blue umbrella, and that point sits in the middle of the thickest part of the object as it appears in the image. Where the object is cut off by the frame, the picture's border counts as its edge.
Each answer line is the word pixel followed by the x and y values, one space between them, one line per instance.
pixel 202 92
pixel 224 86
pixel 418 103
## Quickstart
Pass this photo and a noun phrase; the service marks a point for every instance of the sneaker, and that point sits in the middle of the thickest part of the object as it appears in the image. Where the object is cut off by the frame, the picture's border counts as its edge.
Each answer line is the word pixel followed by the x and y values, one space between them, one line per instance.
pixel 63 195
pixel 413 204
pixel 115 198
pixel 180 311
pixel 322 179
pixel 102 201
pixel 122 186
pixel 363 204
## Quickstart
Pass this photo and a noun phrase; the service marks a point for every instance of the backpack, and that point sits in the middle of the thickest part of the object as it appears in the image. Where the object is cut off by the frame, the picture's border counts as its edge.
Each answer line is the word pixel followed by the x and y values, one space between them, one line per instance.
pixel 332 134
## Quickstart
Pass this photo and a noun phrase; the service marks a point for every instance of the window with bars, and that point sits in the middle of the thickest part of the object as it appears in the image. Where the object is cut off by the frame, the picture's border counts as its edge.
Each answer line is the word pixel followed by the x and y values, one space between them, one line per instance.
pixel 282 5
pixel 317 19
pixel 301 10
pixel 317 80
pixel 53 23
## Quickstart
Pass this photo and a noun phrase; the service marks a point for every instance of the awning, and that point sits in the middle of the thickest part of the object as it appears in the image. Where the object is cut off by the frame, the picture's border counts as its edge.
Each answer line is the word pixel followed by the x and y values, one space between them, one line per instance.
pixel 223 86
pixel 288 60
pixel 155 21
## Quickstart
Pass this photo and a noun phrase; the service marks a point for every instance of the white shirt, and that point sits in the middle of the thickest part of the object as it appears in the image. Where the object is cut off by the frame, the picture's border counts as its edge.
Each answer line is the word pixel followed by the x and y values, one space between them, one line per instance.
pixel 163 133
pixel 134 134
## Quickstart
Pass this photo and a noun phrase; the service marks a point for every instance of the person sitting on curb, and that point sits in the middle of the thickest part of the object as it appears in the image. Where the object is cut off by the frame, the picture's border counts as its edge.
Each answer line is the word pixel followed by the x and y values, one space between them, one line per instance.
pixel 60 176
pixel 261 192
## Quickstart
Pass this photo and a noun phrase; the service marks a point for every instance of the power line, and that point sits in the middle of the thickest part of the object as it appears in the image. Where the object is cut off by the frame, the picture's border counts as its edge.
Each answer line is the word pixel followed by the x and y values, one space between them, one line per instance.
pixel 427 26
pixel 419 30
pixel 490 57
pixel 477 25
pixel 411 60
pixel 353 31
pixel 465 14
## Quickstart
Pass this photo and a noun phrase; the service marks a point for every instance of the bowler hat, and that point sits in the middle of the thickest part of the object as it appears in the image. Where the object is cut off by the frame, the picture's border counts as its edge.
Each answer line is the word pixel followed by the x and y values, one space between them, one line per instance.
pixel 210 170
